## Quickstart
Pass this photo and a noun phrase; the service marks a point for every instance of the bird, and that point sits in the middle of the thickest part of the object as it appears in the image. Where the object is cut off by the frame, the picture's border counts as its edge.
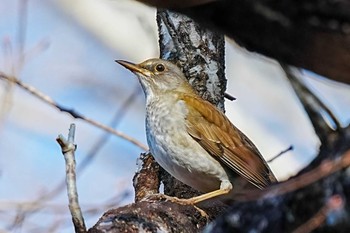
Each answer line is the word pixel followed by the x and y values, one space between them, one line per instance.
pixel 193 140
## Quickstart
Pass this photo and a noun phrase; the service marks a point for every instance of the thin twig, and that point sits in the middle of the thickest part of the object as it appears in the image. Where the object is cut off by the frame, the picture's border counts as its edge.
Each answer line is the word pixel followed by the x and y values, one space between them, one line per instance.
pixel 68 148
pixel 47 99
pixel 279 154
pixel 229 97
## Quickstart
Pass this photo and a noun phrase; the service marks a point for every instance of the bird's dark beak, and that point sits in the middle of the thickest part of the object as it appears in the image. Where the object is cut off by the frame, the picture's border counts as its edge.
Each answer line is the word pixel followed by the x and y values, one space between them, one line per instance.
pixel 134 68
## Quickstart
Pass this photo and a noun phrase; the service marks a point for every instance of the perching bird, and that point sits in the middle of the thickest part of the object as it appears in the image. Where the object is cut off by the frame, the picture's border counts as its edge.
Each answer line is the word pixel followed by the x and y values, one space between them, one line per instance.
pixel 192 140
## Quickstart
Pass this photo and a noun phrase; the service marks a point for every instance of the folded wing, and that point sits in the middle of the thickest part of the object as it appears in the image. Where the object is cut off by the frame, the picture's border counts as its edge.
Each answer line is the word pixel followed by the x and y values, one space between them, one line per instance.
pixel 216 134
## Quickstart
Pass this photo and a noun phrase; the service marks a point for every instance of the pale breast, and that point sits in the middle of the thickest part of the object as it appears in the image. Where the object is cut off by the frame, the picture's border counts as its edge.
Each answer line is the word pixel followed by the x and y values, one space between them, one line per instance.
pixel 176 151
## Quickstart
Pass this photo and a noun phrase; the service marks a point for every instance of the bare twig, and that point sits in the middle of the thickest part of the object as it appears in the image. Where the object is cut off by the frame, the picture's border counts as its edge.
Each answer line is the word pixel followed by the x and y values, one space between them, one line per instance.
pixel 98 145
pixel 47 99
pixel 279 154
pixel 68 149
pixel 229 97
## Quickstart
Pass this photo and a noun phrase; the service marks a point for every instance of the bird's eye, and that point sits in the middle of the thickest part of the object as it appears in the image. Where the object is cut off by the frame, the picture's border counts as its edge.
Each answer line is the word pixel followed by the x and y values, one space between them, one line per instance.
pixel 160 68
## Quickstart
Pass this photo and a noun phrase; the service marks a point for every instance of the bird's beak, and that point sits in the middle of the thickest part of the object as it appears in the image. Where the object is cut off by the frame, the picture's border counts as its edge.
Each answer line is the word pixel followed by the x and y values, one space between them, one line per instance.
pixel 134 68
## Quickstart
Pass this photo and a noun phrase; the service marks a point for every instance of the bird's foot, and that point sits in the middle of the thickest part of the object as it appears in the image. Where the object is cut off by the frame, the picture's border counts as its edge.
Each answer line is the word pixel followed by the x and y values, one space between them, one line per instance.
pixel 181 201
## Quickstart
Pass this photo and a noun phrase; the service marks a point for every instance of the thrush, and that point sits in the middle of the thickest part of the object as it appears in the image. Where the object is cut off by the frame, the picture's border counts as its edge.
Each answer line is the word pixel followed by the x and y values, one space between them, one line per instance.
pixel 193 140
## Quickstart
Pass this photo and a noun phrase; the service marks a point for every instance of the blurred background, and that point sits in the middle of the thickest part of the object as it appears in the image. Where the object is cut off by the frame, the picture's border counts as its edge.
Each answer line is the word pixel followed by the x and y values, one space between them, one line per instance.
pixel 66 50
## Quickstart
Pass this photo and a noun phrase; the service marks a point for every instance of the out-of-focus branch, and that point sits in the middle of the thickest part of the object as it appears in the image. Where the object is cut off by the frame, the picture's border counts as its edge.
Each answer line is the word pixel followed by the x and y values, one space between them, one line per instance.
pixel 319 113
pixel 68 148
pixel 335 202
pixel 326 125
pixel 309 34
pixel 326 168
pixel 47 99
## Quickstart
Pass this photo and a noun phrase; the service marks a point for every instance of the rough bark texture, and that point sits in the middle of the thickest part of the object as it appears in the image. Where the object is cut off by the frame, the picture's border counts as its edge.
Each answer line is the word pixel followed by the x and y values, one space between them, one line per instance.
pixel 148 216
pixel 146 181
pixel 199 52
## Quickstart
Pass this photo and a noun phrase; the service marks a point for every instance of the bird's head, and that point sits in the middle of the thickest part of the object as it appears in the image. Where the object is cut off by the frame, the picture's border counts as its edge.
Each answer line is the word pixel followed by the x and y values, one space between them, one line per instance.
pixel 158 76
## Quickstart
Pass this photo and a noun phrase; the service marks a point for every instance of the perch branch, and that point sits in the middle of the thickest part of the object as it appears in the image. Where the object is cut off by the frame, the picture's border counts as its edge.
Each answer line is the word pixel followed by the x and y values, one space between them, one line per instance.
pixel 146 180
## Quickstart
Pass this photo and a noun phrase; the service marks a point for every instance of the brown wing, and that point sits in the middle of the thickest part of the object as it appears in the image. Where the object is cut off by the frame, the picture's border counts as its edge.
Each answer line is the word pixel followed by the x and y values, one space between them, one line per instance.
pixel 215 133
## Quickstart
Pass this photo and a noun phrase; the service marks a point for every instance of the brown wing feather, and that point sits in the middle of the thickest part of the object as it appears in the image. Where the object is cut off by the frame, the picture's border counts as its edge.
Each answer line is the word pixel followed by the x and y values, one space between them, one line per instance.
pixel 215 133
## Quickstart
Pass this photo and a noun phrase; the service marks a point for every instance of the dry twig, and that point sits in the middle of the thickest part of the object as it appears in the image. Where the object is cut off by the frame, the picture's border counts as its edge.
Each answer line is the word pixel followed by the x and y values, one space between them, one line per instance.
pixel 47 99
pixel 68 149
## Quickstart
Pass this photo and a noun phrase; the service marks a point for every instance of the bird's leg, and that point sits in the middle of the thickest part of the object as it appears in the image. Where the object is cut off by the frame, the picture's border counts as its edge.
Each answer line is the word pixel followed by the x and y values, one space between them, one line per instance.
pixel 205 196
pixel 225 188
